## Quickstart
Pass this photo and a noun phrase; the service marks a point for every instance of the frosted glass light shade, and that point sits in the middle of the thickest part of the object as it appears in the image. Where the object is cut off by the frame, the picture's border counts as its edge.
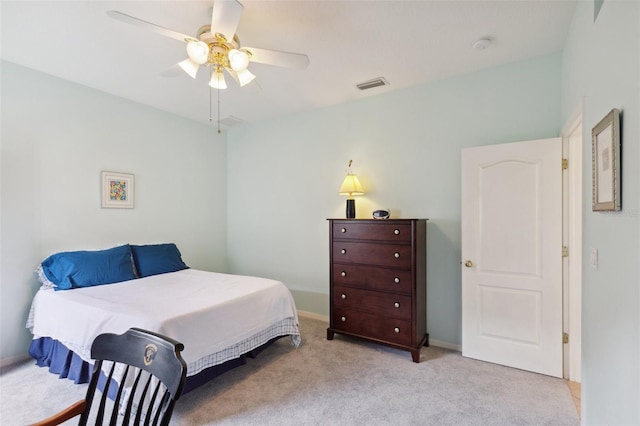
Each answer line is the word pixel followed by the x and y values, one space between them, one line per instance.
pixel 189 67
pixel 238 59
pixel 217 80
pixel 351 186
pixel 245 77
pixel 198 51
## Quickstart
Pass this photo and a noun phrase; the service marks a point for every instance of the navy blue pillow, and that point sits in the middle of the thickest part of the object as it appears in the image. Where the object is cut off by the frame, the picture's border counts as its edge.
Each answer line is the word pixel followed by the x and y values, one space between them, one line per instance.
pixel 75 269
pixel 157 259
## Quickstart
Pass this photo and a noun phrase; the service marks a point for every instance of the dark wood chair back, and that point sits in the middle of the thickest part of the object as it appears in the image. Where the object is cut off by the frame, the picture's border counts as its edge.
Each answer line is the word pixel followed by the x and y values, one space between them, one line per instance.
pixel 143 376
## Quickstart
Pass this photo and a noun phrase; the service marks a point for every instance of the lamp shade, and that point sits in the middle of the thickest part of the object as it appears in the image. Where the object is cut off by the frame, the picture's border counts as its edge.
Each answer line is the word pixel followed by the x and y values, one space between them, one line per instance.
pixel 198 51
pixel 217 80
pixel 189 67
pixel 238 59
pixel 245 77
pixel 351 186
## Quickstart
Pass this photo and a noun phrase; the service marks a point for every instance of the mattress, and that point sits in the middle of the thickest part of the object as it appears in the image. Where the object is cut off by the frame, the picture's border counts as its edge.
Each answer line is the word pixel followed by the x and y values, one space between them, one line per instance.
pixel 218 317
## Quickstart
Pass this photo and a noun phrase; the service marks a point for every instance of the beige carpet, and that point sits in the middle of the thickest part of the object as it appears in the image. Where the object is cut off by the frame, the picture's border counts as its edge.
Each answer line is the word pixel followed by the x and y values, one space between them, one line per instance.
pixel 339 382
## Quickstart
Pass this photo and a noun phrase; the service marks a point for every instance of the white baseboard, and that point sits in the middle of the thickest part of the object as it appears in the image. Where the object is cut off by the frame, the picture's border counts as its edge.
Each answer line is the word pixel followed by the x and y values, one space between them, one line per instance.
pixel 445 345
pixel 432 342
pixel 313 315
pixel 9 361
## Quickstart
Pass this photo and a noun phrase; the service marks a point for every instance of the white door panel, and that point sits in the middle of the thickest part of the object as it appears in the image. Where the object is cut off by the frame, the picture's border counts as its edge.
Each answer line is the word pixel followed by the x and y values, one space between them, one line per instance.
pixel 509 246
pixel 512 237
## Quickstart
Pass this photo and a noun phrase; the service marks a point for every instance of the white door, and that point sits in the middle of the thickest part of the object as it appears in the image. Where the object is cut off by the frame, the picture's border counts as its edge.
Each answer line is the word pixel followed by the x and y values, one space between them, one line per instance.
pixel 512 255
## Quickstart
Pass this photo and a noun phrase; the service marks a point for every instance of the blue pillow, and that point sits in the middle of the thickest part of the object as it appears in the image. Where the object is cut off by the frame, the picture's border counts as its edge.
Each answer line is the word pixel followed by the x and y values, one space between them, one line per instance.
pixel 157 259
pixel 75 269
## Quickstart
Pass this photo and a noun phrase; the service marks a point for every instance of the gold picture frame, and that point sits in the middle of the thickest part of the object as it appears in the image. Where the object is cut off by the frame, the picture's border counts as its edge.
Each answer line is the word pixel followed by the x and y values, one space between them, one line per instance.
pixel 605 154
pixel 117 190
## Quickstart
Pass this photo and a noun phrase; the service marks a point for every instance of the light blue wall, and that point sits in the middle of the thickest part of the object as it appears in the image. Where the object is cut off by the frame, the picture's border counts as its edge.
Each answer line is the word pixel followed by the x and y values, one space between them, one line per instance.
pixel 56 138
pixel 284 175
pixel 601 67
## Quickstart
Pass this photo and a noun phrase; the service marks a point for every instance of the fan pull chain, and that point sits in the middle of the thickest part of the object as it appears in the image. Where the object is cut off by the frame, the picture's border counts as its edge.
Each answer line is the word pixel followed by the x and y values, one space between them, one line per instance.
pixel 219 109
pixel 211 102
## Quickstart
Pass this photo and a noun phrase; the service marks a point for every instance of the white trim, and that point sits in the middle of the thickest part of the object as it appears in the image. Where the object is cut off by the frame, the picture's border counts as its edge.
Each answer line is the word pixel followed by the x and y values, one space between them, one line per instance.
pixel 432 342
pixel 565 260
pixel 573 136
pixel 574 120
pixel 313 315
pixel 10 361
pixel 445 345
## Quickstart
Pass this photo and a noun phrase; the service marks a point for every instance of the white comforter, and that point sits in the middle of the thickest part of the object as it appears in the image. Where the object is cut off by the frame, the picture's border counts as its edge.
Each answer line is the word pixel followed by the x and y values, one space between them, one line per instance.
pixel 216 316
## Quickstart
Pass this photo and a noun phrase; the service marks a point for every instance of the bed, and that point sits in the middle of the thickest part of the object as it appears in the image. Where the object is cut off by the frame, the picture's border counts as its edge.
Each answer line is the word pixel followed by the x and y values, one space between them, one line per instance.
pixel 220 318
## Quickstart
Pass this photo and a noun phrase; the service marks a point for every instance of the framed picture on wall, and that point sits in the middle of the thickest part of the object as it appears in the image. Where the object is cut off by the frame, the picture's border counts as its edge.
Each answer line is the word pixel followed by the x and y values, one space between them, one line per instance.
pixel 117 190
pixel 605 150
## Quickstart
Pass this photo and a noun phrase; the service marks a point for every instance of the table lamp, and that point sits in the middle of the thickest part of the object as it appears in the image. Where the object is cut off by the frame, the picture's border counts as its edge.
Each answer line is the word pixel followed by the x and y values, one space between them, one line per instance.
pixel 351 186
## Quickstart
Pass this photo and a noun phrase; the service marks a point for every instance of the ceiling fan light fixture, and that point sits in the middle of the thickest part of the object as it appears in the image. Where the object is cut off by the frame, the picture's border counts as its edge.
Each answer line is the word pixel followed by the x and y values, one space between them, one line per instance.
pixel 217 80
pixel 217 46
pixel 238 59
pixel 198 51
pixel 245 77
pixel 189 67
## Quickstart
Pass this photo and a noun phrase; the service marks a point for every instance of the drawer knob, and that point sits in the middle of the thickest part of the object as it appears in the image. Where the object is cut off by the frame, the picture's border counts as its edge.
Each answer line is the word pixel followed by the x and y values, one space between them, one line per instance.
pixel 395 330
pixel 343 230
pixel 396 255
pixel 396 280
pixel 397 305
pixel 343 296
pixel 343 319
pixel 396 231
pixel 343 251
pixel 343 274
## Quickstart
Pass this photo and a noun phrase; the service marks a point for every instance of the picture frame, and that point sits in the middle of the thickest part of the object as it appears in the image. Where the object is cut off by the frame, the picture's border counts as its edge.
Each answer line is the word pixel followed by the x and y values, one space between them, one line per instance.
pixel 605 153
pixel 118 190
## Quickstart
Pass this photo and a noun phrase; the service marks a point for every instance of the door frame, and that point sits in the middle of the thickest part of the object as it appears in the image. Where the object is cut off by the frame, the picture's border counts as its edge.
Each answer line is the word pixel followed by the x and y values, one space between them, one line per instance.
pixel 572 148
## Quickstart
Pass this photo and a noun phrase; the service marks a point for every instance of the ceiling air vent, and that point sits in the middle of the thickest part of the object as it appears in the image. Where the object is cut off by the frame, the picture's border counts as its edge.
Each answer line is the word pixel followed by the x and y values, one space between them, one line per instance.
pixel 376 82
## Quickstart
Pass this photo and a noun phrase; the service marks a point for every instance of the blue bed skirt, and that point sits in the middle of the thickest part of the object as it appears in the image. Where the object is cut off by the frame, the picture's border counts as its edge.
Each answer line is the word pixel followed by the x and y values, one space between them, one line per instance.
pixel 60 360
pixel 67 365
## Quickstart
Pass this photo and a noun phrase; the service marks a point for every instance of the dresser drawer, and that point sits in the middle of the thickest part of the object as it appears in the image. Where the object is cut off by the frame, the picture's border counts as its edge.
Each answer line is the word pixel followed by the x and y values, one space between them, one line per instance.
pixel 377 302
pixel 372 277
pixel 372 231
pixel 398 256
pixel 369 325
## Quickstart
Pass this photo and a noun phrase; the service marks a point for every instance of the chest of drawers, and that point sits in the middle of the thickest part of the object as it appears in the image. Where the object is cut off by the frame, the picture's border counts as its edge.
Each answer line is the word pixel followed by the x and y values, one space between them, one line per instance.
pixel 378 281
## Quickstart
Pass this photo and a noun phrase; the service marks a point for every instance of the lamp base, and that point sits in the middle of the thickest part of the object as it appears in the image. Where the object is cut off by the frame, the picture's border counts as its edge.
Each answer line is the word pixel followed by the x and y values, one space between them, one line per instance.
pixel 351 208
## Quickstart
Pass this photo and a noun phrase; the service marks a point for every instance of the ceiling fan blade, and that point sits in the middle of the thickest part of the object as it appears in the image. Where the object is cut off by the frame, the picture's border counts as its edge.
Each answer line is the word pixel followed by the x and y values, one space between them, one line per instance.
pixel 226 17
pixel 278 58
pixel 149 26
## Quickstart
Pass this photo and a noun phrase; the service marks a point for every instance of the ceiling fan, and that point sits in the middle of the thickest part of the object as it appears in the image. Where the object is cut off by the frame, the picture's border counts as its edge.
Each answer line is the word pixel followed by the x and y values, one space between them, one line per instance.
pixel 217 46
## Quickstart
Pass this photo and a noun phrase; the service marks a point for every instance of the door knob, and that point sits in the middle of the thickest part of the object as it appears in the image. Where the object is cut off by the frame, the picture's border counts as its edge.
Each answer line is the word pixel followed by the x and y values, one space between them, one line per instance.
pixel 468 264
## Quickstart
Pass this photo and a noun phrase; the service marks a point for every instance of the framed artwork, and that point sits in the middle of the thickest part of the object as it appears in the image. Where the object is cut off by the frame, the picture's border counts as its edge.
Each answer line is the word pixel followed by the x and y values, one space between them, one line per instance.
pixel 605 150
pixel 117 190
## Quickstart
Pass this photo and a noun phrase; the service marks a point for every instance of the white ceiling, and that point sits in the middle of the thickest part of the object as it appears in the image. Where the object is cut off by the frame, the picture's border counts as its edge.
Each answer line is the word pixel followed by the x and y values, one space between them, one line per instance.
pixel 348 42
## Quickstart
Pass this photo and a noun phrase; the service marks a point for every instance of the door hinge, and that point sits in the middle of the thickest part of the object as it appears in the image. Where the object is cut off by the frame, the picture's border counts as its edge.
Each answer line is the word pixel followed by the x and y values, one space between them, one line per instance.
pixel 565 337
pixel 565 164
pixel 565 251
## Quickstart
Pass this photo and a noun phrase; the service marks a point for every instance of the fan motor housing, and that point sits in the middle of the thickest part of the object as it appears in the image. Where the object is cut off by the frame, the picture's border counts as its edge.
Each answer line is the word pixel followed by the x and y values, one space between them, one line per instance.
pixel 205 35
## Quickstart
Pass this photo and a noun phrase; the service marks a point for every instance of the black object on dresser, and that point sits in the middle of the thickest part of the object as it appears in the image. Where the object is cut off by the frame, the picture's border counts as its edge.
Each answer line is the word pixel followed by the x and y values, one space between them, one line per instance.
pixel 378 272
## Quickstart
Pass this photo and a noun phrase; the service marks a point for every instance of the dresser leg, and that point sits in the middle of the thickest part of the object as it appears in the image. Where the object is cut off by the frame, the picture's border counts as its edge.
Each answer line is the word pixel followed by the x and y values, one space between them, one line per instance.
pixel 415 355
pixel 329 334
